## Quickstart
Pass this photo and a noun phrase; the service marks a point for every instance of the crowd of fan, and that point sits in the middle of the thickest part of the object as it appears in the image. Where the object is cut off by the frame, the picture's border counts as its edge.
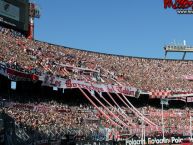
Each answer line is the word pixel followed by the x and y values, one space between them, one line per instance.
pixel 54 120
pixel 41 57
pixel 176 121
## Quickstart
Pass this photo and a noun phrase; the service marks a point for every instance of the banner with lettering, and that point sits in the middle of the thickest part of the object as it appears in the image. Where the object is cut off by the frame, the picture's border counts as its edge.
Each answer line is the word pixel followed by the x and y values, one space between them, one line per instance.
pixel 156 140
pixel 53 81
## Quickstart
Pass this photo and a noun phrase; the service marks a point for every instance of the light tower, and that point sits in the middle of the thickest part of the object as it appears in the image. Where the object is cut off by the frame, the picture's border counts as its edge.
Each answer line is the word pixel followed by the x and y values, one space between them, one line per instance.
pixel 34 12
pixel 178 48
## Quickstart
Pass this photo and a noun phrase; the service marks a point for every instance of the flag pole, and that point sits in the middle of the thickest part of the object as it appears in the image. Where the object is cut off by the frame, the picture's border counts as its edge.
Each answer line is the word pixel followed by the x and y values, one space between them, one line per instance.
pixel 191 126
pixel 162 121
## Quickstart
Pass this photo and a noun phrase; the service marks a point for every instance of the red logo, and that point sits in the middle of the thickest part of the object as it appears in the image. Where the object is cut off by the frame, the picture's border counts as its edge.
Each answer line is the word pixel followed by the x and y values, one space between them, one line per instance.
pixel 178 4
pixel 182 6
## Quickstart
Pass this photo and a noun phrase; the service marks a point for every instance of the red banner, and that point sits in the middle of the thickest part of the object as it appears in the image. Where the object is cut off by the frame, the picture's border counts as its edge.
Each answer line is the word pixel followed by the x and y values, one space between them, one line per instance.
pixel 20 76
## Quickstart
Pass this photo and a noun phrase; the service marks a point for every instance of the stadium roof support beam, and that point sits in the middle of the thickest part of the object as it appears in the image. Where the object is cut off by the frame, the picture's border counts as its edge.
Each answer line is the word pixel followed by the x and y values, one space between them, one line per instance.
pixel 165 54
pixel 184 56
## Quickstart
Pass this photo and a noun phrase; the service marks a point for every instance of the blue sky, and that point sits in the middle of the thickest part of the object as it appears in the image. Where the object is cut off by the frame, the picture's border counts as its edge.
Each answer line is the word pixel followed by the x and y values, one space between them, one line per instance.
pixel 125 27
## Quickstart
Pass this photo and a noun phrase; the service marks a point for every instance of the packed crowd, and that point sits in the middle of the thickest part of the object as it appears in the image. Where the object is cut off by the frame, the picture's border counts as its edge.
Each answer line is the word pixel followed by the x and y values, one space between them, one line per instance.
pixel 54 120
pixel 176 121
pixel 41 57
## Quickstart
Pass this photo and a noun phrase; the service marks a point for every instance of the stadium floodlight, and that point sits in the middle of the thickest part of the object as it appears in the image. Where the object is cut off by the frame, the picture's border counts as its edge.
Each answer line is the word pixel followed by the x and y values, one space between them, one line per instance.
pixel 184 42
pixel 178 48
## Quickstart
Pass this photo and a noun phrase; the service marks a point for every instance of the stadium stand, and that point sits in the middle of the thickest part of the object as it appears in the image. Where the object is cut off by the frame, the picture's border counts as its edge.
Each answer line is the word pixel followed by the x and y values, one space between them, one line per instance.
pixel 42 116
pixel 143 73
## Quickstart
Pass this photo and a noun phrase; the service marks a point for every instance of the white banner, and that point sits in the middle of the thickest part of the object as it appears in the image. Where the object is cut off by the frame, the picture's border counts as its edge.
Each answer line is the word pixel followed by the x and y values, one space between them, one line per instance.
pixel 64 83
pixel 154 140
